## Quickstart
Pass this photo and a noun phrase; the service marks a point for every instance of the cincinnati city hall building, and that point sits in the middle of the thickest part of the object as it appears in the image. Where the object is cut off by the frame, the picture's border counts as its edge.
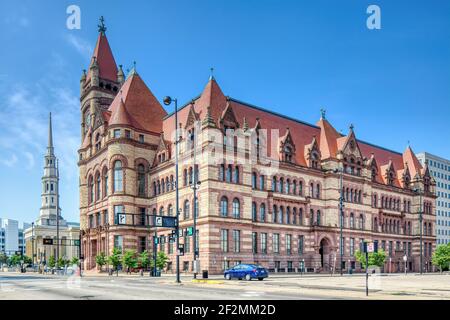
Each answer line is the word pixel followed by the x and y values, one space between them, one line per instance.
pixel 269 185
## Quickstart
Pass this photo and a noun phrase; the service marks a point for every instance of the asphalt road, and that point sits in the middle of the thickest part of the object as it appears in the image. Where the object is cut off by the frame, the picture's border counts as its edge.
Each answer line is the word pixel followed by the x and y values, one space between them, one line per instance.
pixel 51 287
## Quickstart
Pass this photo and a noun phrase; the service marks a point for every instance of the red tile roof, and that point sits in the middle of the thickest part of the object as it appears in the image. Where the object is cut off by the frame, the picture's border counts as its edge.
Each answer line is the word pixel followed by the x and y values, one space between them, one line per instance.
pixel 140 108
pixel 105 59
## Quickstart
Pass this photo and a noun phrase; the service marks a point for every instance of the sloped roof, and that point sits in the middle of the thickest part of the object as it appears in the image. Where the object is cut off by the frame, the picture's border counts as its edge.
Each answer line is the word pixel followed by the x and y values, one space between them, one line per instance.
pixel 107 67
pixel 143 111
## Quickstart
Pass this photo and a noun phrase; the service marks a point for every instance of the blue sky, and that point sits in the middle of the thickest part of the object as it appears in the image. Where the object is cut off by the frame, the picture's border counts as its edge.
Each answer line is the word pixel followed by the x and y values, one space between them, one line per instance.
pixel 293 57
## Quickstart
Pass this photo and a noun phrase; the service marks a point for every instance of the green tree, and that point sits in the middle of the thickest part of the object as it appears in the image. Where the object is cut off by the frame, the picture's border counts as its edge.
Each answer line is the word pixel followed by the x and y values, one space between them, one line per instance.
pixel 129 259
pixel 3 258
pixel 144 260
pixel 14 260
pixel 51 262
pixel 61 263
pixel 115 259
pixel 441 257
pixel 161 260
pixel 74 260
pixel 27 260
pixel 375 258
pixel 101 260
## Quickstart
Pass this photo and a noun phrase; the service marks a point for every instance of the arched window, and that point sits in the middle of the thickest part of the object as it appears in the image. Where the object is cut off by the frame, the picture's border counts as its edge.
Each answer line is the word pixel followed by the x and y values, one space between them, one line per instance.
pixel 170 210
pixel 261 182
pixel 155 190
pixel 236 208
pixel 171 182
pixel 300 188
pixel 274 184
pixel 186 209
pixel 141 180
pixel 300 216
pixel 236 174
pixel 352 220
pixel 430 229
pixel 318 191
pixel 254 180
pixel 158 187
pixel 281 214
pixel 288 215
pixel 294 187
pixel 91 189
pixel 254 213
pixel 229 172
pixel 280 185
pixel 361 221
pixel 262 212
pixel 105 182
pixel 224 207
pixel 311 216
pixel 287 188
pixel 98 186
pixel 222 172
pixel 318 218
pixel 294 216
pixel 191 176
pixel 118 176
pixel 167 184
pixel 185 177
pixel 375 224
pixel 161 211
pixel 274 213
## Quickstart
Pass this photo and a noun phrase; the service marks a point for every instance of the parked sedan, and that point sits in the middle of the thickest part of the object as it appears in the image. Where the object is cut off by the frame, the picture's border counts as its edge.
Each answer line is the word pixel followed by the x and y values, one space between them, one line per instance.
pixel 247 272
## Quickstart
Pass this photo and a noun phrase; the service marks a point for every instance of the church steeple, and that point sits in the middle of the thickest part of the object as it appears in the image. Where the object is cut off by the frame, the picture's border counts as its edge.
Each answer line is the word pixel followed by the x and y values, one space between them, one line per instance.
pixel 50 184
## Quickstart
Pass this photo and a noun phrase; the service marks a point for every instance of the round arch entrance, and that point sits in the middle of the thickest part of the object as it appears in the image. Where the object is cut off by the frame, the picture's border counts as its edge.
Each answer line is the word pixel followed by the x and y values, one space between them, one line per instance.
pixel 325 251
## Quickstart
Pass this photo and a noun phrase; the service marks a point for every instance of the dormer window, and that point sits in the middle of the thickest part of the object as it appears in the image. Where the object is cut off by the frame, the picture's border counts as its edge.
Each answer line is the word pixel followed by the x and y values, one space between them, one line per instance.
pixel 390 178
pixel 98 143
pixel 315 160
pixel 287 153
pixel 116 133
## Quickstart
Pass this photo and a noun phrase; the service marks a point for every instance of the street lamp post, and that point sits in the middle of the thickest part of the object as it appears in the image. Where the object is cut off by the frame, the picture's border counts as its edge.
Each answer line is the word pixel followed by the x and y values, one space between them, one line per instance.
pixel 417 190
pixel 167 101
pixel 195 186
pixel 32 244
pixel 341 215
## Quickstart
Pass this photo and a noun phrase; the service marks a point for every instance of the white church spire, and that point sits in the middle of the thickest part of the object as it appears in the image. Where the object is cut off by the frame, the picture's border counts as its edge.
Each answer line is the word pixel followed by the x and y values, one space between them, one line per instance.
pixel 50 184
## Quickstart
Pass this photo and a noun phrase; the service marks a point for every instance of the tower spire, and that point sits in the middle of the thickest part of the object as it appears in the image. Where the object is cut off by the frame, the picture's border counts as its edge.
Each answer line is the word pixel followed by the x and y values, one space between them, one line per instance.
pixel 50 135
pixel 101 26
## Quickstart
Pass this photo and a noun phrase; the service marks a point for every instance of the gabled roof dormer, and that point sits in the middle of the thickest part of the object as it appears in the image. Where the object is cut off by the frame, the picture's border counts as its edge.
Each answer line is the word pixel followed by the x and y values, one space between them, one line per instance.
pixel 405 175
pixel 228 119
pixel 287 147
pixel 388 174
pixel 313 154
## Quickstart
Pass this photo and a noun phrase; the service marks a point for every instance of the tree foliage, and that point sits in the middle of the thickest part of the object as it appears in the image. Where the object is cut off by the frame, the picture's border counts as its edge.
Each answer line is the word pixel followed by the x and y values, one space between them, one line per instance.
pixel 441 256
pixel 129 259
pixel 14 260
pixel 144 260
pixel 161 260
pixel 101 260
pixel 74 260
pixel 375 258
pixel 3 258
pixel 115 259
pixel 51 262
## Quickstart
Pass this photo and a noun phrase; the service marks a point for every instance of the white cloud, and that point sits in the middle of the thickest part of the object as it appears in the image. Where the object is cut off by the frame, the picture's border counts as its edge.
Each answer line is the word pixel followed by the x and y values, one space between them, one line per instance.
pixel 29 156
pixel 82 46
pixel 9 162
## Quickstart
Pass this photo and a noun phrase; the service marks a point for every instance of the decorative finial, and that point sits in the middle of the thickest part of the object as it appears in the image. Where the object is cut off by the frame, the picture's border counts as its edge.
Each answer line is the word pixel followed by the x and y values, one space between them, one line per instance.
pixel 351 126
pixel 322 113
pixel 211 77
pixel 101 26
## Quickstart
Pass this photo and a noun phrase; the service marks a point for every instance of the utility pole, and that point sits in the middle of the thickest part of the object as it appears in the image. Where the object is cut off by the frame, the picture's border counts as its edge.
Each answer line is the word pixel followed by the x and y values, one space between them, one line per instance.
pixel 421 231
pixel 32 243
pixel 167 101
pixel 341 216
pixel 57 212
pixel 194 187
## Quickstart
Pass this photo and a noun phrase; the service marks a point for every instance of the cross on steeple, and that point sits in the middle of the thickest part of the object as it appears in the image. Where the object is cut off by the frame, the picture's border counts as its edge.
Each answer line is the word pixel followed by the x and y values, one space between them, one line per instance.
pixel 322 113
pixel 211 77
pixel 101 26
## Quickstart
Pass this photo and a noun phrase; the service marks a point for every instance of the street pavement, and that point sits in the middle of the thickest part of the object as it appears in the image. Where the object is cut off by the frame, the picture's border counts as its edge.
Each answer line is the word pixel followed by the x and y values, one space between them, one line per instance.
pixel 32 286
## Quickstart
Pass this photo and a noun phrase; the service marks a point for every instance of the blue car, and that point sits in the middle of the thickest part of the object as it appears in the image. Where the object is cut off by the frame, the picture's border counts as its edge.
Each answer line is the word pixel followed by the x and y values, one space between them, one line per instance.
pixel 247 272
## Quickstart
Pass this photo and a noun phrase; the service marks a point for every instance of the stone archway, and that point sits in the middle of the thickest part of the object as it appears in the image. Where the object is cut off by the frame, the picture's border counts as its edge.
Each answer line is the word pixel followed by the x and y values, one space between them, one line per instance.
pixel 325 249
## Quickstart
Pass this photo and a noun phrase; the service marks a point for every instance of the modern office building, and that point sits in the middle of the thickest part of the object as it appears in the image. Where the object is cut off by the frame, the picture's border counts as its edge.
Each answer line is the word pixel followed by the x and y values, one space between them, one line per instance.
pixel 11 237
pixel 440 170
pixel 270 184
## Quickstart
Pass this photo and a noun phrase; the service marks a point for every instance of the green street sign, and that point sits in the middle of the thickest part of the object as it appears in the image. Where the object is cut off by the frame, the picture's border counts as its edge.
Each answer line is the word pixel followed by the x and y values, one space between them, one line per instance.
pixel 190 231
pixel 76 242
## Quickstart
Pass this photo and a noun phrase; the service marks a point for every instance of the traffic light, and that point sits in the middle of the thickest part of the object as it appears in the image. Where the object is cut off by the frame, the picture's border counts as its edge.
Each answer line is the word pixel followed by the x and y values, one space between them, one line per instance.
pixel 48 241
